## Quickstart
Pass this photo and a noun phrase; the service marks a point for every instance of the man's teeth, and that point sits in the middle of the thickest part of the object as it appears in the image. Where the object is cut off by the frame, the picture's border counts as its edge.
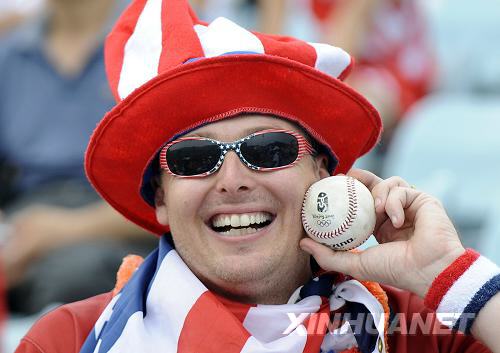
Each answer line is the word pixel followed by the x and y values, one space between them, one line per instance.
pixel 240 220
pixel 239 231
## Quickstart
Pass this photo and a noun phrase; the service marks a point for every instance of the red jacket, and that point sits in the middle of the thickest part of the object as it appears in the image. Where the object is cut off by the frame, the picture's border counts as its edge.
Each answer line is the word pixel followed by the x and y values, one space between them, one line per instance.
pixel 65 329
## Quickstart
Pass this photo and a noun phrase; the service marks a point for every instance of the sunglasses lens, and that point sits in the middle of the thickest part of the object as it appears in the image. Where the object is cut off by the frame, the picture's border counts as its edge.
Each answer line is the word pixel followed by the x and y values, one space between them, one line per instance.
pixel 192 157
pixel 271 150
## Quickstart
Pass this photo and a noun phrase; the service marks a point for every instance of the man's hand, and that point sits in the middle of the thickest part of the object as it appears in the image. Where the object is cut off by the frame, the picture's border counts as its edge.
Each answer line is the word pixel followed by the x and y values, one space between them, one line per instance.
pixel 417 239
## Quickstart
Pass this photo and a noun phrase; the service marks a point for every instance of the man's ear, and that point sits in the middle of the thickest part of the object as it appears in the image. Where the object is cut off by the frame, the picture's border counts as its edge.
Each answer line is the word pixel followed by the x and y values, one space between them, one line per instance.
pixel 161 206
pixel 321 163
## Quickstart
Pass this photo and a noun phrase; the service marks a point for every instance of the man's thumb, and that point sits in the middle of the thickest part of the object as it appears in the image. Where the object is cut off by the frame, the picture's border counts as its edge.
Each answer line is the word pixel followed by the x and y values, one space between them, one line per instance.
pixel 345 262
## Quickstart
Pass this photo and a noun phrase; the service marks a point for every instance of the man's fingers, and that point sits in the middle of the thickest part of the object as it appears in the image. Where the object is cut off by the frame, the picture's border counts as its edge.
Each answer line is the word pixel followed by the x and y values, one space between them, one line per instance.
pixel 381 191
pixel 369 179
pixel 339 261
pixel 394 206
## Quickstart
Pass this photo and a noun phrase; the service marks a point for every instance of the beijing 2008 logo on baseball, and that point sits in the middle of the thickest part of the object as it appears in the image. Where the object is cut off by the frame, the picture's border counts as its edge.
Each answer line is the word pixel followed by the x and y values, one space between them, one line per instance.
pixel 322 202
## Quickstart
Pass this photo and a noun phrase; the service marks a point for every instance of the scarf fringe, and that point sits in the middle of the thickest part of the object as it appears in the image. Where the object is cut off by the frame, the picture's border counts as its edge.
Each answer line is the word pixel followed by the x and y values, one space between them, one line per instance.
pixel 129 265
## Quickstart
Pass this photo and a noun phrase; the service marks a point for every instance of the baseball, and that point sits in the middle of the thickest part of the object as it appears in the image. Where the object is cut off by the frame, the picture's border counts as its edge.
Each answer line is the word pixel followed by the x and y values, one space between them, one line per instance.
pixel 339 211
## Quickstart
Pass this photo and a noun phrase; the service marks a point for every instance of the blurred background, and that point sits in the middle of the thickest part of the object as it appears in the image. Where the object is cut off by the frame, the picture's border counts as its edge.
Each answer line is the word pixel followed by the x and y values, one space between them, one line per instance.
pixel 431 67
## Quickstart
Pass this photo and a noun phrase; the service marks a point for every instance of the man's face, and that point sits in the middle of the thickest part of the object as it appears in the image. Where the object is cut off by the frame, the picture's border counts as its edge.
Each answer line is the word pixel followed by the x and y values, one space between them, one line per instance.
pixel 262 258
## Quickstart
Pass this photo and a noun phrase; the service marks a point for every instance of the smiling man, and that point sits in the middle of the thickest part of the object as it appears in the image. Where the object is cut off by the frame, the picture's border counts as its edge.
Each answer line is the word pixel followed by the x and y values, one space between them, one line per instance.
pixel 238 233
pixel 217 135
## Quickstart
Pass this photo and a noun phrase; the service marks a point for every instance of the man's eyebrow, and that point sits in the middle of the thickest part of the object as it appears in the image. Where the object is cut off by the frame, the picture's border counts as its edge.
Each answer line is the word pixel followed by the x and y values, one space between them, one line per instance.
pixel 246 132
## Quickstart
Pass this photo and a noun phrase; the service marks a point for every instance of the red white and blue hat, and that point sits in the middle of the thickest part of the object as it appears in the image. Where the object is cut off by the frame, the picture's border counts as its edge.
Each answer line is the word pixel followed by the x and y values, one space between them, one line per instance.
pixel 171 73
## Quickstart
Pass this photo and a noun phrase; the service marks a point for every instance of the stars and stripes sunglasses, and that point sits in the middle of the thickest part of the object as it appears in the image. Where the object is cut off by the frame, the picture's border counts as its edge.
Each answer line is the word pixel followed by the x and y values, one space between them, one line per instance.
pixel 264 150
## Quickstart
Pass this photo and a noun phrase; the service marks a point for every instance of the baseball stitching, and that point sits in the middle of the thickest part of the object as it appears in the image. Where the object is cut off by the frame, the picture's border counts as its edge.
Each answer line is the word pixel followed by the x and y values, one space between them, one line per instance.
pixel 348 221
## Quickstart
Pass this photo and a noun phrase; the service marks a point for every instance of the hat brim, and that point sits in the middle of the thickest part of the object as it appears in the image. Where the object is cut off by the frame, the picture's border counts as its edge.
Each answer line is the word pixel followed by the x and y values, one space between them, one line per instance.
pixel 211 89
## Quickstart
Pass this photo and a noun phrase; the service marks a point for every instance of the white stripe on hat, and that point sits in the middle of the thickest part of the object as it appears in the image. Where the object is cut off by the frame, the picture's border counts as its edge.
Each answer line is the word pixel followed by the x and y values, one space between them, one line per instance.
pixel 463 290
pixel 165 313
pixel 224 36
pixel 142 51
pixel 330 60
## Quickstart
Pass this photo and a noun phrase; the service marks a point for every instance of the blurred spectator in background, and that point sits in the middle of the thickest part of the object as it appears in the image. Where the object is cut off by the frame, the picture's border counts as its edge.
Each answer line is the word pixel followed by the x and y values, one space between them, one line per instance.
pixel 448 143
pixel 389 41
pixel 13 12
pixel 263 15
pixel 63 243
pixel 394 62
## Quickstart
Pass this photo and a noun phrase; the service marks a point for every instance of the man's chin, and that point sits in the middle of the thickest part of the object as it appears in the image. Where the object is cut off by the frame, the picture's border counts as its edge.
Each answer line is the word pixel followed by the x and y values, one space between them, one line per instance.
pixel 244 270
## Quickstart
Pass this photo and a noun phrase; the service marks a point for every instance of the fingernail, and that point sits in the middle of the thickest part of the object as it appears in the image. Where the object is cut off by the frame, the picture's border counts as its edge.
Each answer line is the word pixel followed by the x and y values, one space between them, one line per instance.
pixel 394 219
pixel 378 201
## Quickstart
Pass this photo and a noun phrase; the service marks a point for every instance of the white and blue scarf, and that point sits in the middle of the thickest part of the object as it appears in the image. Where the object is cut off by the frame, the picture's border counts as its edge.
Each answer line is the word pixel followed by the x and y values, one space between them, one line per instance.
pixel 165 308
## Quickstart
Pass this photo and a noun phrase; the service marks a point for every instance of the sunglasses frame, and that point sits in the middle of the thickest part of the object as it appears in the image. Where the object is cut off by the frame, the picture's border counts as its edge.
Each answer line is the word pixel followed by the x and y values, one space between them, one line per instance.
pixel 304 147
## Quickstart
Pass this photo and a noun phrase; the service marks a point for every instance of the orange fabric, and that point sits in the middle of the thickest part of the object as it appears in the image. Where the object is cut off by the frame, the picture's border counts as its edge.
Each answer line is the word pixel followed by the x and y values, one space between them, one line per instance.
pixel 377 291
pixel 129 264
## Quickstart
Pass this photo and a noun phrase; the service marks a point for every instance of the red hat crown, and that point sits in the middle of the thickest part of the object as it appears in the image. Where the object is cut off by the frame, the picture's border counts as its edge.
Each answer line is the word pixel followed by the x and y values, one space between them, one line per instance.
pixel 154 36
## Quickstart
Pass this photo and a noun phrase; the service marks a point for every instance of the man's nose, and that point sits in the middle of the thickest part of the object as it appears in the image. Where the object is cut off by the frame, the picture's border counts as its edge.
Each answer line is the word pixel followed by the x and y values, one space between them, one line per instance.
pixel 233 176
